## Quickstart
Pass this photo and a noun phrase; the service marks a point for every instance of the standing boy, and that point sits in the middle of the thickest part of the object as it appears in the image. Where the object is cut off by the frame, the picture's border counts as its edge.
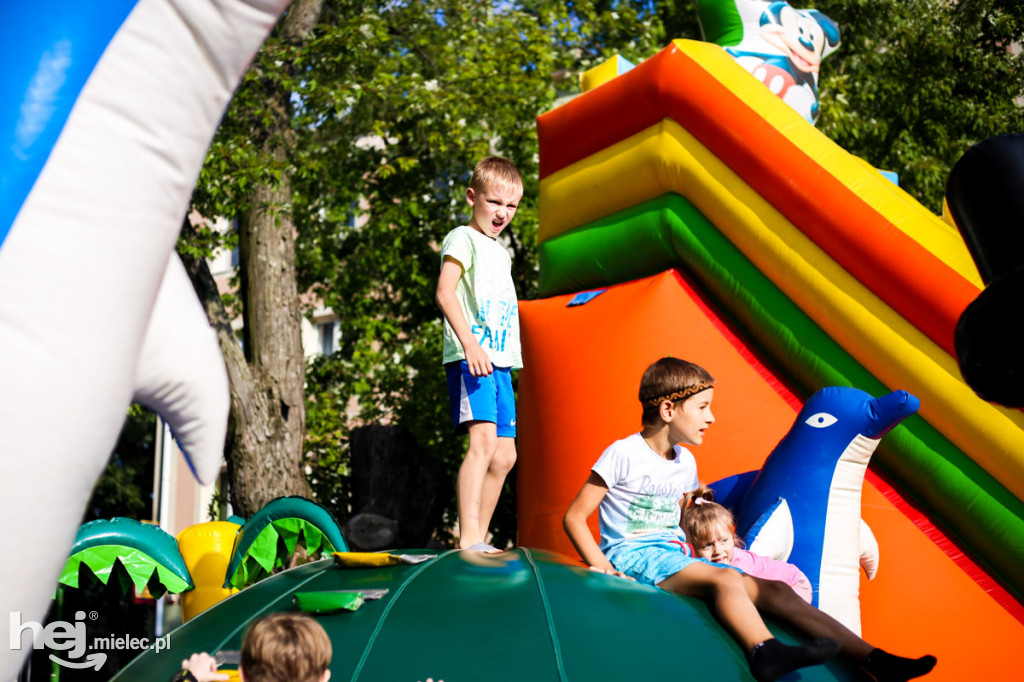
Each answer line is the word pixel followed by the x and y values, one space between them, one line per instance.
pixel 481 343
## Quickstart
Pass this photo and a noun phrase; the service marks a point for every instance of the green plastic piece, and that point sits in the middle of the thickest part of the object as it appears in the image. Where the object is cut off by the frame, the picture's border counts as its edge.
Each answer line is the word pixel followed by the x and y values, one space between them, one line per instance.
pixel 268 539
pixel 669 232
pixel 328 602
pixel 144 552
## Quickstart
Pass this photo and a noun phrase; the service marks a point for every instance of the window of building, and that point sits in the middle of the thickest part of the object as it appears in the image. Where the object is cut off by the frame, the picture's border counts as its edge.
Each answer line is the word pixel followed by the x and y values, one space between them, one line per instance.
pixel 329 336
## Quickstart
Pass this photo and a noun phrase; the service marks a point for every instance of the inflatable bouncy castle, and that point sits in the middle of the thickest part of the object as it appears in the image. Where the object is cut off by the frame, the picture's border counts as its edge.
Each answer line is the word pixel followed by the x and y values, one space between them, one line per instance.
pixel 687 210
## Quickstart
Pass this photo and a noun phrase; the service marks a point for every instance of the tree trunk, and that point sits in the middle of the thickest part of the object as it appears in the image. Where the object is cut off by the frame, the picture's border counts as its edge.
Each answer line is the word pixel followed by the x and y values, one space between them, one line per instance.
pixel 266 434
pixel 266 430
pixel 264 457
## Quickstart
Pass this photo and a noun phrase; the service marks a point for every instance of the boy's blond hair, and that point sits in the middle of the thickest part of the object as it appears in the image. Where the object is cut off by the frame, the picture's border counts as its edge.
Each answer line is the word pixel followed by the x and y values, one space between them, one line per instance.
pixel 285 647
pixel 670 379
pixel 495 170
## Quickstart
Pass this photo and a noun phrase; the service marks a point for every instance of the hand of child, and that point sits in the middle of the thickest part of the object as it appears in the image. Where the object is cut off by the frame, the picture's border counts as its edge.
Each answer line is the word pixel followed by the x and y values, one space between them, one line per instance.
pixel 611 571
pixel 203 667
pixel 477 360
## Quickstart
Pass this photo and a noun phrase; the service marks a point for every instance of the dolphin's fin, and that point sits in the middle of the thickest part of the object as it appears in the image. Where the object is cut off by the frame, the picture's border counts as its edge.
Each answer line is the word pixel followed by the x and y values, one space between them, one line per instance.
pixel 181 376
pixel 772 533
pixel 868 550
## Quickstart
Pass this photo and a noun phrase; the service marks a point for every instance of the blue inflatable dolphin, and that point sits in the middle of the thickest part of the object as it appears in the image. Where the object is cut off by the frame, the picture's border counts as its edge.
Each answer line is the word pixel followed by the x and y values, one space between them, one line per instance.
pixel 106 112
pixel 804 506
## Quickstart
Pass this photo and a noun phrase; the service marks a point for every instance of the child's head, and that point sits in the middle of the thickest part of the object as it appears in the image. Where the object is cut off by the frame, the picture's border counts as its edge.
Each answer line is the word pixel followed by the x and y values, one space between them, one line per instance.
pixel 285 647
pixel 495 172
pixel 709 526
pixel 494 192
pixel 670 379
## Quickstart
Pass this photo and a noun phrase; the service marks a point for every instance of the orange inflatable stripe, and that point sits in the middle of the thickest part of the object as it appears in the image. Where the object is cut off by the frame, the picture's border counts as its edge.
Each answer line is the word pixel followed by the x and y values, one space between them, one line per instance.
pixel 893 265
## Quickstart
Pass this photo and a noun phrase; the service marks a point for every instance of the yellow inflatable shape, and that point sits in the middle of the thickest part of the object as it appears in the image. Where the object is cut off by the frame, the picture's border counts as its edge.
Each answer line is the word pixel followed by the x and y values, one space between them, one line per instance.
pixel 666 158
pixel 603 72
pixel 206 549
pixel 889 200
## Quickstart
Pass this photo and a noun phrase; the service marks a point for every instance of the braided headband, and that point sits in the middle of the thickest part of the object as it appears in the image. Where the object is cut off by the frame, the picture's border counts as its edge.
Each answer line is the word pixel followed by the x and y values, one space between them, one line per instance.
pixel 680 395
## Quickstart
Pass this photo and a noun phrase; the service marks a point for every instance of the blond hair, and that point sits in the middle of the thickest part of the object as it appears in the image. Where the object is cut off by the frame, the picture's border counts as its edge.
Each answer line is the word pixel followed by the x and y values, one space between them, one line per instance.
pixel 495 170
pixel 670 379
pixel 703 517
pixel 285 647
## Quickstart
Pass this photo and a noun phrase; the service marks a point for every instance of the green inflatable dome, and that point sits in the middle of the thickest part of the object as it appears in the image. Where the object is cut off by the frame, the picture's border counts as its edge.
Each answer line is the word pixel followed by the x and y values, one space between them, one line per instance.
pixel 524 615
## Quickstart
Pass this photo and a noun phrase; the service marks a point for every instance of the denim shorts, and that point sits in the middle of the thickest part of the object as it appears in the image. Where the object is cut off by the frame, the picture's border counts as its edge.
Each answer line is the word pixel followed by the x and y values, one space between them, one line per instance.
pixel 653 561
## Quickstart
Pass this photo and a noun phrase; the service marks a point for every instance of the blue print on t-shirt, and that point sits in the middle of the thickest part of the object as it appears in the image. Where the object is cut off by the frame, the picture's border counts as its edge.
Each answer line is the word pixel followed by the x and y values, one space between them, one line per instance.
pixel 490 332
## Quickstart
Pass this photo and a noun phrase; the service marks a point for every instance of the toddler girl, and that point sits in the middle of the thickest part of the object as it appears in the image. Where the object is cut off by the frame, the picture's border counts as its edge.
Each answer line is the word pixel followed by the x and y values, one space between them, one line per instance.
pixel 711 529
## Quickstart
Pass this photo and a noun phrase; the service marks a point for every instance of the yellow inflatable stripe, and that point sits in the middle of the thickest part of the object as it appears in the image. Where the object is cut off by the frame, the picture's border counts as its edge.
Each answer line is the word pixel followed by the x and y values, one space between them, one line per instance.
pixel 666 158
pixel 902 210
pixel 561 212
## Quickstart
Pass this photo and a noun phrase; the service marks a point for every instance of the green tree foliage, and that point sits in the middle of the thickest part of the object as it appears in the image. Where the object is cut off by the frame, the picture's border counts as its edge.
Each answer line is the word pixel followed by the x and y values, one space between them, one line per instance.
pixel 680 20
pixel 916 82
pixel 126 486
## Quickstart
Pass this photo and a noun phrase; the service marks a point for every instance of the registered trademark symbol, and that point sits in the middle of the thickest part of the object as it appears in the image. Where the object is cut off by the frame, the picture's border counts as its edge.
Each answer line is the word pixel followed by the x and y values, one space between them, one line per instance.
pixel 93 615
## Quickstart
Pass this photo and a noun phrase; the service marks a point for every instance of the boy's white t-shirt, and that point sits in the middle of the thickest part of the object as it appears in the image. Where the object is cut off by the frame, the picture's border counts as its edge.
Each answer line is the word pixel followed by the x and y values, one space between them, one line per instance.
pixel 487 296
pixel 644 490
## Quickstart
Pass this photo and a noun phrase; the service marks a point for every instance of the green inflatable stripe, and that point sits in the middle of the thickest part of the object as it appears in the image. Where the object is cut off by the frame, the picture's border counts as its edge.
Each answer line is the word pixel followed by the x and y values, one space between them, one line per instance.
pixel 669 232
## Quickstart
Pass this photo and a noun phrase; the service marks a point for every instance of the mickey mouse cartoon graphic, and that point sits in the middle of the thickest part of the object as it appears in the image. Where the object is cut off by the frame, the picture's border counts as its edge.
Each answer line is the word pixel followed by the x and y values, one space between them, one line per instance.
pixel 781 46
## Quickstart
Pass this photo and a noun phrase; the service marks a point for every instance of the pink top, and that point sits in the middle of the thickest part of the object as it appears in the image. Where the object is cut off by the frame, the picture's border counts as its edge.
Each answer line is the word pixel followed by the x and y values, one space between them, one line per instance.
pixel 771 569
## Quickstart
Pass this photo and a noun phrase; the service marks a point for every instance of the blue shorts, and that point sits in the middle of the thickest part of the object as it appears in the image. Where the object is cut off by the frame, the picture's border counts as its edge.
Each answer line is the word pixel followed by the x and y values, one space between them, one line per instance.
pixel 654 561
pixel 487 399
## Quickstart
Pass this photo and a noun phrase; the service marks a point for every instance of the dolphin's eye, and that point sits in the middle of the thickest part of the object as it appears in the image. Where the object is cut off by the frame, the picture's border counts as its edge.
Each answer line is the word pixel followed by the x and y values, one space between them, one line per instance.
pixel 821 420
